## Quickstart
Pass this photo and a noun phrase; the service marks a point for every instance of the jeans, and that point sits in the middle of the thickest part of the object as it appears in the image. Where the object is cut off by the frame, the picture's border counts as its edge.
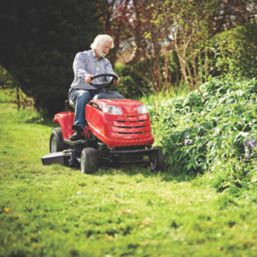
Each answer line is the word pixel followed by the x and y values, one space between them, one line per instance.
pixel 80 98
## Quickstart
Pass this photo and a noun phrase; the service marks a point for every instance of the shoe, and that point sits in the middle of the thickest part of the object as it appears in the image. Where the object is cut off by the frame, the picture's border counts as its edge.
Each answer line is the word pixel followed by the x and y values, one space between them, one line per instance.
pixel 77 128
pixel 77 135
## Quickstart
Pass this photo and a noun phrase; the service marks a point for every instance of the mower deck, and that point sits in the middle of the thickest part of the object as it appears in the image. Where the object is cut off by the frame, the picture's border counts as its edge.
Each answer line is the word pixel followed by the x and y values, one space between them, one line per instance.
pixel 58 158
pixel 68 156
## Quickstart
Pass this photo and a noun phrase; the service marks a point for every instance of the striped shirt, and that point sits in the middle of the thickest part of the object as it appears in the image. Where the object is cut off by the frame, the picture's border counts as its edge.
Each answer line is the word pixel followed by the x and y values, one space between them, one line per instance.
pixel 87 63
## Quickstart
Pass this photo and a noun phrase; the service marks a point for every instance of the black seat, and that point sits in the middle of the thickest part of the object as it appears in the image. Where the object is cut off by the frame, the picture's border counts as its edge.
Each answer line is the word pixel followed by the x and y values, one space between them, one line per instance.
pixel 69 105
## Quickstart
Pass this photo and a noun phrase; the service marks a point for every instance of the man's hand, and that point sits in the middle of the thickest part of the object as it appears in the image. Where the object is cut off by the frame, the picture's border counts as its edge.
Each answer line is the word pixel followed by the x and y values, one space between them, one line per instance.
pixel 88 78
pixel 116 81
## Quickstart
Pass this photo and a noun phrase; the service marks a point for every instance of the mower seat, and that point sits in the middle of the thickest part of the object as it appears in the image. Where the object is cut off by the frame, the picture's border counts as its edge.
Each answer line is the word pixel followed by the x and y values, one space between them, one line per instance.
pixel 71 103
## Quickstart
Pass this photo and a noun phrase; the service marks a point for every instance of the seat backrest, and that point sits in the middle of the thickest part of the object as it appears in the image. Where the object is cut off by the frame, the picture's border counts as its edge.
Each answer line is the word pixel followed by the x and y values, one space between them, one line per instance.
pixel 71 103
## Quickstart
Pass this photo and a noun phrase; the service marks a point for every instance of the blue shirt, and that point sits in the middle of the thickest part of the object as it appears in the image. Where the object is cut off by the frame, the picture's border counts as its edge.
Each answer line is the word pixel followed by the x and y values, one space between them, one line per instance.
pixel 87 63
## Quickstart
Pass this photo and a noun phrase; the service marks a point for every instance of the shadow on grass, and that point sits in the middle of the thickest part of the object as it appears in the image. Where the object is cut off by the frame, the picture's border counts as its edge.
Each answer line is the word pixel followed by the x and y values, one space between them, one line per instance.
pixel 133 170
pixel 29 116
pixel 40 121
pixel 142 170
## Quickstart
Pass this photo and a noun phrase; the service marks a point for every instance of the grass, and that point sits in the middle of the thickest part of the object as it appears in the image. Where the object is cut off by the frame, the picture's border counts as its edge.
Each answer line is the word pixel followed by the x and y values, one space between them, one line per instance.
pixel 7 95
pixel 57 211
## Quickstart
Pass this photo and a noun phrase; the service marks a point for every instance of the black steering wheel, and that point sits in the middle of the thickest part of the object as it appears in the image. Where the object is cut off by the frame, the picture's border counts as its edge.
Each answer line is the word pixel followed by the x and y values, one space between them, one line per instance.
pixel 105 84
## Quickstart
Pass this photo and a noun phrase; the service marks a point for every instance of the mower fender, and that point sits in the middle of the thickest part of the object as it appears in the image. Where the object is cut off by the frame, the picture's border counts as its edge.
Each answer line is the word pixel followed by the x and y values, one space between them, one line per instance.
pixel 65 120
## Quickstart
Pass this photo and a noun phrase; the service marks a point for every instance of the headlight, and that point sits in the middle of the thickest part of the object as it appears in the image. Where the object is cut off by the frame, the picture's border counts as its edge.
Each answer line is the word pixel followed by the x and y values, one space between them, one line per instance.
pixel 142 109
pixel 116 110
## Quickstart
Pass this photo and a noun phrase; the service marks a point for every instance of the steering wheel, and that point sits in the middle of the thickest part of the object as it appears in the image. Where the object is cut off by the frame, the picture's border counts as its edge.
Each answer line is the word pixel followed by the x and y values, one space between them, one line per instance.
pixel 105 84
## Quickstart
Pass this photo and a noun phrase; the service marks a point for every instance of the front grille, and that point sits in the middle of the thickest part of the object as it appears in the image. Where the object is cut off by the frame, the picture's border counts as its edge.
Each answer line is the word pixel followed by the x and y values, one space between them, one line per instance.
pixel 130 127
pixel 129 133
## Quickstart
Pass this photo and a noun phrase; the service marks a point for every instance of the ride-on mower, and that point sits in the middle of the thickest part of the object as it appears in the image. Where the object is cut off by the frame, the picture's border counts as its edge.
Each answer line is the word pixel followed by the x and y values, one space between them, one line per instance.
pixel 118 131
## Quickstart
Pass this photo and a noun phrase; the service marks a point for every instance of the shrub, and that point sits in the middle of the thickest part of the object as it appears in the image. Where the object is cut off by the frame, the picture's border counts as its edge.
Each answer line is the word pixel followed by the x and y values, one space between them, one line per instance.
pixel 211 130
pixel 136 79
pixel 234 51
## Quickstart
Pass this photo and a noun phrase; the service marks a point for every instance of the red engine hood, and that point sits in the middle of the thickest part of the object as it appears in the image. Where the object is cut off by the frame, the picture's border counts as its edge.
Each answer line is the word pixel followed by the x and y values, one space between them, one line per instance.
pixel 129 129
pixel 128 106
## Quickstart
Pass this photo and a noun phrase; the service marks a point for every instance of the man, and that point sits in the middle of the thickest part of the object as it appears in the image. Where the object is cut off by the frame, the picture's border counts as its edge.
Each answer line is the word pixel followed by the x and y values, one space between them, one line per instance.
pixel 86 65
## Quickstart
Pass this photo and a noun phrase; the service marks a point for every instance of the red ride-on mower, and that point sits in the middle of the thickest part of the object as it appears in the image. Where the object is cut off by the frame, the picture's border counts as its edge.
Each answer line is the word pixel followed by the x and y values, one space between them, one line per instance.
pixel 118 131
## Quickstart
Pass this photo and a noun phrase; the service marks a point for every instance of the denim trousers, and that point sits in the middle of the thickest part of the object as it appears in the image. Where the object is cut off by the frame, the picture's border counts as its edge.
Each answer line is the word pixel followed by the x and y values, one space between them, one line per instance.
pixel 80 98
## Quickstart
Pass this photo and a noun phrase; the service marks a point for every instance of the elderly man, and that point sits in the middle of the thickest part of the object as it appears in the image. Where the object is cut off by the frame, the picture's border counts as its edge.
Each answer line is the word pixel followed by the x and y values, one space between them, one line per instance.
pixel 86 65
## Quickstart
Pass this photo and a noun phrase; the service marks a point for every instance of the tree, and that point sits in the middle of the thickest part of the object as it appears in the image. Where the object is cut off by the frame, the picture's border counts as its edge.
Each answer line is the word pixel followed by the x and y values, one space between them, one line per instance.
pixel 137 19
pixel 114 19
pixel 232 13
pixel 39 41
pixel 180 26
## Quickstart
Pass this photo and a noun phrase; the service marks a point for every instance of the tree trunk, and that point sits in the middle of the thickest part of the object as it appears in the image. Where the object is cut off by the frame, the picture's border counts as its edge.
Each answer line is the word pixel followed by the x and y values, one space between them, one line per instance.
pixel 206 64
pixel 167 76
pixel 191 78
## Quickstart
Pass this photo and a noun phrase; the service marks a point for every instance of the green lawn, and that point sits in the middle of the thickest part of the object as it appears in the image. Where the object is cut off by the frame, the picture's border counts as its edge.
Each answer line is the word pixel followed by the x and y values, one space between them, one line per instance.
pixel 57 211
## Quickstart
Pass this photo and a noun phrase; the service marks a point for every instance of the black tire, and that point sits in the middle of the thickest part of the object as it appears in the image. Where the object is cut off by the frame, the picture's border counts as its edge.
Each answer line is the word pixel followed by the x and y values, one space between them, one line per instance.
pixel 56 141
pixel 157 162
pixel 89 160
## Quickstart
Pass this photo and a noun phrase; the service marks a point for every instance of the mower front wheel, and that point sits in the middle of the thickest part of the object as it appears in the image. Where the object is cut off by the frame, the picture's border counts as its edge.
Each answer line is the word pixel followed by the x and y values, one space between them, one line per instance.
pixel 157 162
pixel 56 141
pixel 89 160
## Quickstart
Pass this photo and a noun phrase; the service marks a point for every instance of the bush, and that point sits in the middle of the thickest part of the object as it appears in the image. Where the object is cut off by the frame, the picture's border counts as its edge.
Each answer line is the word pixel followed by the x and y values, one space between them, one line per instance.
pixel 211 130
pixel 136 79
pixel 234 51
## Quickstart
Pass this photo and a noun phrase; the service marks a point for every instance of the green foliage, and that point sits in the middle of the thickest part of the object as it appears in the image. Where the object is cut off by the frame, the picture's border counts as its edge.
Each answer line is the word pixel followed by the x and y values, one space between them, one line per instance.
pixel 6 80
pixel 208 130
pixel 17 96
pixel 7 96
pixel 135 79
pixel 235 52
pixel 40 41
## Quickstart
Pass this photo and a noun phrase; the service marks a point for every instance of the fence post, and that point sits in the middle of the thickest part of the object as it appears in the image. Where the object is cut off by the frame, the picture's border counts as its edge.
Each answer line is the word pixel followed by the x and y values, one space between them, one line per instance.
pixel 18 98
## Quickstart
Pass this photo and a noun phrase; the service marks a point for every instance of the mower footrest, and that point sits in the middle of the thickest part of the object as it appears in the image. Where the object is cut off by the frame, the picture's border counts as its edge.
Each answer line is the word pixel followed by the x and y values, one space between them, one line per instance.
pixel 59 158
pixel 74 143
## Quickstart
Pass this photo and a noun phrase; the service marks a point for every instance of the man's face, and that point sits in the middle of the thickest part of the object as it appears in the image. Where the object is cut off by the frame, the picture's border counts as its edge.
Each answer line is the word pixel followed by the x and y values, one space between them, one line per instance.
pixel 103 49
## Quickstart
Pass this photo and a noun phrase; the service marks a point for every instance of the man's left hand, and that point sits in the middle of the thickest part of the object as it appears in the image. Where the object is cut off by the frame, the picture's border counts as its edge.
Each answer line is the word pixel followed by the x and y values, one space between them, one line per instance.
pixel 116 81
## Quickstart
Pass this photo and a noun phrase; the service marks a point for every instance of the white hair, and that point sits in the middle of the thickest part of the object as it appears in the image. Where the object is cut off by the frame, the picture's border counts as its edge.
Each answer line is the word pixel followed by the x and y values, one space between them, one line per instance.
pixel 101 39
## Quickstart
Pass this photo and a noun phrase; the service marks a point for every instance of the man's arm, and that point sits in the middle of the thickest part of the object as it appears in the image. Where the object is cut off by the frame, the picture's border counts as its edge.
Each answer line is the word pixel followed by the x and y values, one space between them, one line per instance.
pixel 79 67
pixel 109 70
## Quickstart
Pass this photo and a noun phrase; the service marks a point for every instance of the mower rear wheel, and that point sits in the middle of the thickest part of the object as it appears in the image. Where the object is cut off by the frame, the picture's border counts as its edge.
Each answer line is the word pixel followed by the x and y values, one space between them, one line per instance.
pixel 89 160
pixel 157 162
pixel 56 141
